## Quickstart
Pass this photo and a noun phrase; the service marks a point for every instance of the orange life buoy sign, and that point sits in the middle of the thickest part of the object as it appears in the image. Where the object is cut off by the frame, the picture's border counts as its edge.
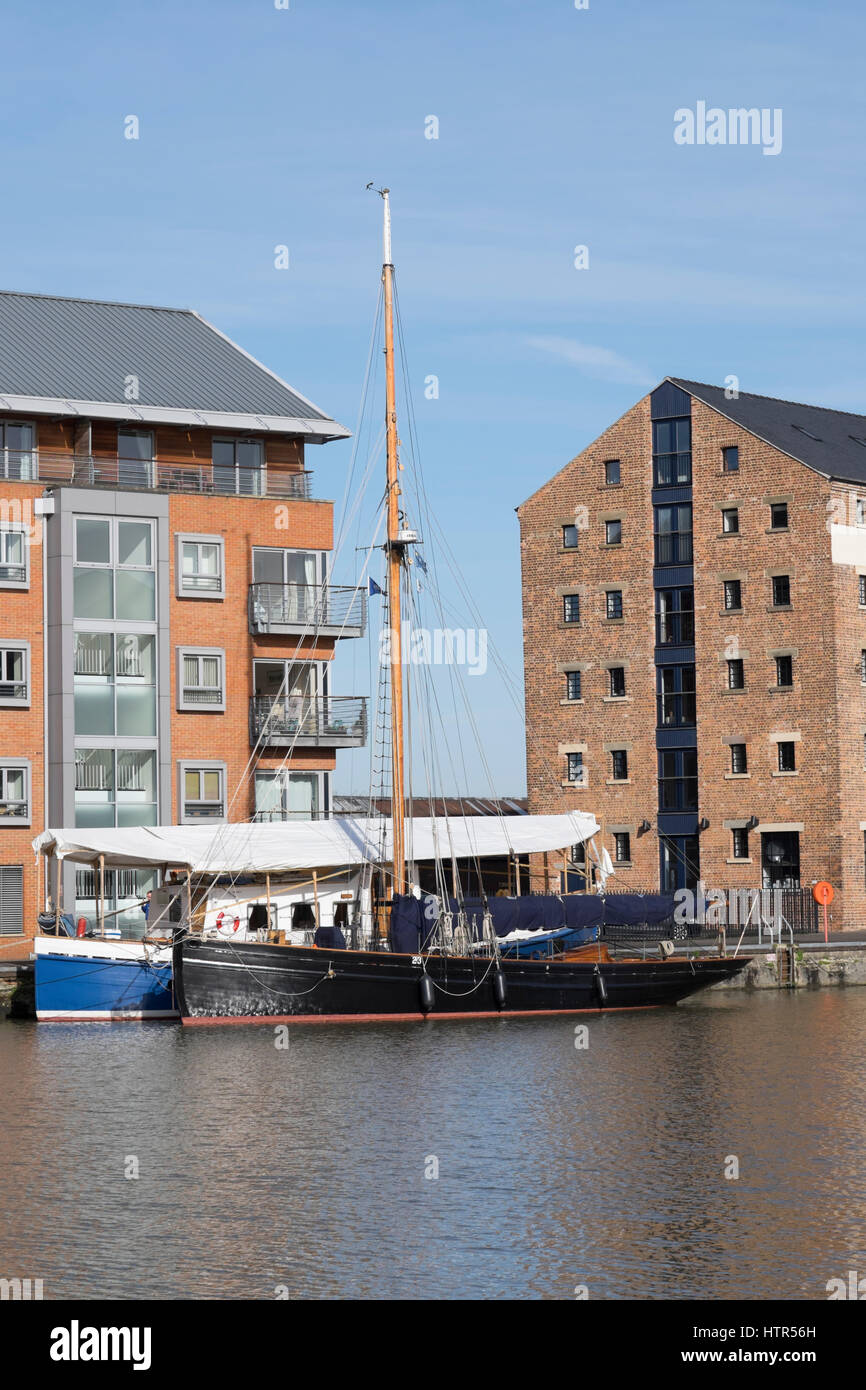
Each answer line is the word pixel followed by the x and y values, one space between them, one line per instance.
pixel 823 893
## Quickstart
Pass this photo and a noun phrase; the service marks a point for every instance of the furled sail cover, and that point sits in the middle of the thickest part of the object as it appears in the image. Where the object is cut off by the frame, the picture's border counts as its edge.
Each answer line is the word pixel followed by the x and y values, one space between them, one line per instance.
pixel 287 845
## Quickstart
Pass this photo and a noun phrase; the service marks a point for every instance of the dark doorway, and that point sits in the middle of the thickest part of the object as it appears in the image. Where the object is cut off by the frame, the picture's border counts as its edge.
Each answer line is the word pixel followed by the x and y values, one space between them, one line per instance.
pixel 780 859
pixel 680 862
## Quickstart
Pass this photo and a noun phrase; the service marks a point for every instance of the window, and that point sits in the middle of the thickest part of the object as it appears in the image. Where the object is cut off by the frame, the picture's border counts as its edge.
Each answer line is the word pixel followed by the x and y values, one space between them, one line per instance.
pixel 114 575
pixel 678 779
pixel 134 458
pixel 612 472
pixel 733 593
pixel 779 516
pixel 14 554
pixel 202 788
pixel 730 520
pixel 15 673
pixel 11 900
pixel 238 467
pixel 616 682
pixel 285 795
pixel 786 756
pixel 614 603
pixel 676 691
pixel 674 534
pixel 863 666
pixel 619 765
pixel 784 671
pixel 736 674
pixel 860 512
pixel 613 532
pixel 575 770
pixel 17 453
pixel 114 684
pixel 781 591
pixel 200 571
pixel 569 537
pixel 573 685
pixel 115 787
pixel 740 842
pixel 672 452
pixel 861 586
pixel 622 847
pixel 200 678
pixel 739 760
pixel 571 608
pixel 731 459
pixel 675 616
pixel 15 792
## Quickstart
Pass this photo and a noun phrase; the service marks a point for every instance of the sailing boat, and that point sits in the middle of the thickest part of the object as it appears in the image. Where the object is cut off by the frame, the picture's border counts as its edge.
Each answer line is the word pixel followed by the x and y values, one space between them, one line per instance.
pixel 420 968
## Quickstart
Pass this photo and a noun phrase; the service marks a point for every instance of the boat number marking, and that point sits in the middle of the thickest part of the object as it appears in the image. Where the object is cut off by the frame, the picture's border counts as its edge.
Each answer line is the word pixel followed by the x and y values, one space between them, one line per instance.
pixel 416 960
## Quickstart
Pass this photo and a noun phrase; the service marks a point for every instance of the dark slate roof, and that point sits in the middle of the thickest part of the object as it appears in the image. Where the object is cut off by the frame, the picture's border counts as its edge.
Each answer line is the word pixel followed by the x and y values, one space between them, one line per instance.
pixel 82 349
pixel 834 442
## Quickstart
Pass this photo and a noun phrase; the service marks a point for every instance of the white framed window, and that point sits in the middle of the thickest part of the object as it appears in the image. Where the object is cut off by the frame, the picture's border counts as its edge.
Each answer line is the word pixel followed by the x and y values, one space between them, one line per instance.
pixel 15 791
pixel 14 673
pixel 14 558
pixel 201 791
pixel 11 900
pixel 201 679
pixel 200 567
pixel 114 573
pixel 282 795
pixel 115 787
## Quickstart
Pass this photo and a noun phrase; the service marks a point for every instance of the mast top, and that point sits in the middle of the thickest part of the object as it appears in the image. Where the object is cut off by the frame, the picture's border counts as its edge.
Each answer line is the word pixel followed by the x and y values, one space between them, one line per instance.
pixel 385 195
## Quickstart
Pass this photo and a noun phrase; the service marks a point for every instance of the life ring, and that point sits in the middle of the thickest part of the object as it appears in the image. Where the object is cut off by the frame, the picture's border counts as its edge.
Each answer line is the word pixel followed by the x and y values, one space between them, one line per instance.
pixel 225 926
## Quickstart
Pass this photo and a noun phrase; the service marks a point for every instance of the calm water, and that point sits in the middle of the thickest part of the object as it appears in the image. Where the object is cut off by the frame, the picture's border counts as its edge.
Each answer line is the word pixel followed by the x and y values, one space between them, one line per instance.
pixel 305 1167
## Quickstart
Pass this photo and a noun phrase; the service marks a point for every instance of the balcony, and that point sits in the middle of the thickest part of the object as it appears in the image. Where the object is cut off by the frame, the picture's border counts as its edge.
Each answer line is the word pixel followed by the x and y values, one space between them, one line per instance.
pixel 309 721
pixel 206 479
pixel 298 609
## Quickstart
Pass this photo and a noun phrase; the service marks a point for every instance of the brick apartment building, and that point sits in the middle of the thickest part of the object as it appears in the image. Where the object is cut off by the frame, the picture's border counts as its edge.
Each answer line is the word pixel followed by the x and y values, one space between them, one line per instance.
pixel 166 621
pixel 694 608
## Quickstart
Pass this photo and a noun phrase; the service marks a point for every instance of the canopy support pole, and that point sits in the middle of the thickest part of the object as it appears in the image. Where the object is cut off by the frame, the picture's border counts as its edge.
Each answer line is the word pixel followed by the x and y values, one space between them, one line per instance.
pixel 268 892
pixel 100 912
pixel 316 897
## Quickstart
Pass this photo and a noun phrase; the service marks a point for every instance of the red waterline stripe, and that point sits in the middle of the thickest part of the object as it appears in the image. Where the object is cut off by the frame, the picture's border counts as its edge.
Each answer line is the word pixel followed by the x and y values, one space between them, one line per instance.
pixel 410 1018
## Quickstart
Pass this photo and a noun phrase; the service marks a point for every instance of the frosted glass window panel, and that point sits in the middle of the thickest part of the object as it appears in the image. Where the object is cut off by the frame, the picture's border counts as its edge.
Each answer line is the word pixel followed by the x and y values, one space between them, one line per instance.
pixel 302 796
pixel 92 593
pixel 92 815
pixel 136 595
pixel 94 708
pixel 140 813
pixel 136 657
pixel 269 792
pixel 134 543
pixel 92 541
pixel 136 711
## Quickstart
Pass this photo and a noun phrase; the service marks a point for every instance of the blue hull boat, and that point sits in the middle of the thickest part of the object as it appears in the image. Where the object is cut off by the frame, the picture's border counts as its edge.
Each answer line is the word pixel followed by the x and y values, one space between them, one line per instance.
pixel 83 979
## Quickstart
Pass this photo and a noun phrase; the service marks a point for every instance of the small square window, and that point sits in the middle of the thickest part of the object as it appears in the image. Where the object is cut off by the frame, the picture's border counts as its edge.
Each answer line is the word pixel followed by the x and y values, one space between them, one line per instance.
pixel 569 537
pixel 784 671
pixel 616 677
pixel 614 603
pixel 575 768
pixel 731 459
pixel 612 472
pixel 733 594
pixel 571 608
pixel 14 553
pixel 201 679
pixel 786 757
pixel 15 674
pixel 730 521
pixel 863 666
pixel 622 847
pixel 573 685
pixel 14 793
pixel 740 838
pixel 202 789
pixel 613 532
pixel 619 765
pixel 200 567
pixel 739 760
pixel 779 516
pixel 736 674
pixel 781 591
pixel 861 587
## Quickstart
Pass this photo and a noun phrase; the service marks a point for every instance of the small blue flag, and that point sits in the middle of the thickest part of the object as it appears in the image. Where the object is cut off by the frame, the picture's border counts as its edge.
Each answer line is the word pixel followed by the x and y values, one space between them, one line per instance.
pixel 374 588
pixel 421 563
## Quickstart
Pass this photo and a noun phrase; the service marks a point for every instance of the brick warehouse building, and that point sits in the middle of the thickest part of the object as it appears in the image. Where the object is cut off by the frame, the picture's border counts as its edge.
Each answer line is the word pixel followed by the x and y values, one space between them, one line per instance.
pixel 165 613
pixel 694 609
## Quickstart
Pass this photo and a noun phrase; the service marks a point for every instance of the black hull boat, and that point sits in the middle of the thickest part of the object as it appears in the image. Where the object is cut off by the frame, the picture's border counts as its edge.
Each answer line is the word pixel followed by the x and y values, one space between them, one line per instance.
pixel 218 982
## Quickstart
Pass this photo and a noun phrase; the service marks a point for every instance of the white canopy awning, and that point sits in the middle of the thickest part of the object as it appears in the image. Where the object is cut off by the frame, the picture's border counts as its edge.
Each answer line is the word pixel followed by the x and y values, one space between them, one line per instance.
pixel 288 845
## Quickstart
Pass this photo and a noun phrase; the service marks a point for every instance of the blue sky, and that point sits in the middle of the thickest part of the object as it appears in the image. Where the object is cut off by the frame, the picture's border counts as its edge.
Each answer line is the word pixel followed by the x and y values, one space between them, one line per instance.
pixel 261 127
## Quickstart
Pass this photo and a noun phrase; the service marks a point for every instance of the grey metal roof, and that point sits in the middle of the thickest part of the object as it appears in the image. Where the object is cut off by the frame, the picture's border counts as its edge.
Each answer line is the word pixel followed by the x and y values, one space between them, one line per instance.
pixel 83 350
pixel 435 806
pixel 833 442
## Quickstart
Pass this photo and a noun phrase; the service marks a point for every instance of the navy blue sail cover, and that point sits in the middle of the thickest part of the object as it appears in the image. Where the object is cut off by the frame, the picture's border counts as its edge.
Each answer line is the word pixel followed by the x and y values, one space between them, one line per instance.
pixel 414 923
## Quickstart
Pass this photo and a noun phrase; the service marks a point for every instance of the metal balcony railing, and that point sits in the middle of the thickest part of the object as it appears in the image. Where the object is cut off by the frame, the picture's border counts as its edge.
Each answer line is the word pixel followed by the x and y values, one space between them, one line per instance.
pixel 332 610
pixel 331 721
pixel 151 475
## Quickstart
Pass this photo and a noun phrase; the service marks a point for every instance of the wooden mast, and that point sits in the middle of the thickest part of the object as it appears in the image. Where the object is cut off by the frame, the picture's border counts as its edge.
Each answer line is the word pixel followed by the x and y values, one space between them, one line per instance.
pixel 394 552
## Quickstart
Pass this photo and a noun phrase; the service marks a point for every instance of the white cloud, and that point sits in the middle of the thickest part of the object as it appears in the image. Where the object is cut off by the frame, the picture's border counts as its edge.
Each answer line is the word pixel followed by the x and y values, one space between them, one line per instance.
pixel 594 361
